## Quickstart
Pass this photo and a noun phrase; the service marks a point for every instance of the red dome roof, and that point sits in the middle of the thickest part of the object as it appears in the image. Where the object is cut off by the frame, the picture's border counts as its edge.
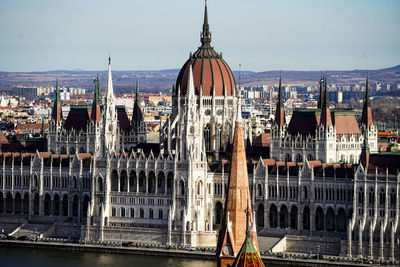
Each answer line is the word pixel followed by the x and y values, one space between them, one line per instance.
pixel 209 69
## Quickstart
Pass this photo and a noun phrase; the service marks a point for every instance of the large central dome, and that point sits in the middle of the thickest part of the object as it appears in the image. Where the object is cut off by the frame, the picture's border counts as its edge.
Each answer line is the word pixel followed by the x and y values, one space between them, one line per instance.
pixel 210 71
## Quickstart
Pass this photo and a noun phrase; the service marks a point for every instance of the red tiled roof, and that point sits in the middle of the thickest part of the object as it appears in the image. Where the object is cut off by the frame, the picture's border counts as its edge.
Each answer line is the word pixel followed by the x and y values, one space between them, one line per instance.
pixel 3 138
pixel 209 69
pixel 383 161
pixel 345 123
pixel 123 119
pixel 77 119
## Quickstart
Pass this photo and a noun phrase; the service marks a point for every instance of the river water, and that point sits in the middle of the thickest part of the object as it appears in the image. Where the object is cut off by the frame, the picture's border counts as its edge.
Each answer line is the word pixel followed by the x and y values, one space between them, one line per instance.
pixel 29 257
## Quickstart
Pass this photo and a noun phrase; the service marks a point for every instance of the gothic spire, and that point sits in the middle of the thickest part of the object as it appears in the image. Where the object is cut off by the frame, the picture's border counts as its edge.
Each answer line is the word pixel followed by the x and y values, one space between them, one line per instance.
pixel 137 115
pixel 205 35
pixel 280 108
pixel 137 97
pixel 56 113
pixel 110 90
pixel 364 157
pixel 366 117
pixel 233 232
pixel 96 113
pixel 326 119
pixel 321 81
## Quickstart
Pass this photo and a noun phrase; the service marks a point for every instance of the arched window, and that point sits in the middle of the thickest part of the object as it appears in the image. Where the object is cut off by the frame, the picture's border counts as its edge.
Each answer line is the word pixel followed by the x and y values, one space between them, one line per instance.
pixel 72 150
pixel 151 215
pixel 99 184
pixel 181 188
pixel 371 197
pixel 259 190
pixel 63 150
pixel 305 191
pixel 160 214
pixel 382 197
pixel 122 212
pixel 360 196
pixel 207 137
pixel 113 212
pixel 132 213
pixel 141 213
pixel 199 187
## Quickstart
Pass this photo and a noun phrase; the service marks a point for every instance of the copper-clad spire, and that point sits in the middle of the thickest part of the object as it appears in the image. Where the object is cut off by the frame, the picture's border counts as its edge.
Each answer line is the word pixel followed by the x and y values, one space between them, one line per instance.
pixel 366 117
pixel 233 232
pixel 326 119
pixel 56 113
pixel 96 113
pixel 280 107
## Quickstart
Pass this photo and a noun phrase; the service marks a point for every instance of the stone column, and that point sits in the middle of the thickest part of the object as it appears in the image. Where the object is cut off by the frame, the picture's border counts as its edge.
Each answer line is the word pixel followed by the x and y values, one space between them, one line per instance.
pixel 156 189
pixel 69 206
pixel 278 219
pixel 137 183
pixel 360 240
pixel 392 244
pixel 41 211
pixel 127 181
pixel 349 240
pixel 79 210
pixel 119 182
pixel 147 183
pixel 371 241
pixel 299 224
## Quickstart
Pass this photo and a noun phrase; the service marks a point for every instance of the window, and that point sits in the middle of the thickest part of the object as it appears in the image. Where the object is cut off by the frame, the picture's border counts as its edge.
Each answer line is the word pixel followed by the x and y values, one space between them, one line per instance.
pixel 132 213
pixel 160 214
pixel 122 212
pixel 151 213
pixel 113 212
pixel 141 213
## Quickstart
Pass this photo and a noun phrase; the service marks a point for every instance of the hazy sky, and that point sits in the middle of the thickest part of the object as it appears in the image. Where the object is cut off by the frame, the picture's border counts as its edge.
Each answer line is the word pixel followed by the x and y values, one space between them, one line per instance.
pixel 158 34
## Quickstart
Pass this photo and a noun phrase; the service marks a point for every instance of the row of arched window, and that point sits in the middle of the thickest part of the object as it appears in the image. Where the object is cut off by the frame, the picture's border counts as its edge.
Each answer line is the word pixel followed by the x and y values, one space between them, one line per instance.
pixel 142 184
pixel 123 212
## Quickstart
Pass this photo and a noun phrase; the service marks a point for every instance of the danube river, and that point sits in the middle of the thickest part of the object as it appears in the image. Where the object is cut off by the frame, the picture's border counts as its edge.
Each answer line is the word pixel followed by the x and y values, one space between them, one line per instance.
pixel 28 257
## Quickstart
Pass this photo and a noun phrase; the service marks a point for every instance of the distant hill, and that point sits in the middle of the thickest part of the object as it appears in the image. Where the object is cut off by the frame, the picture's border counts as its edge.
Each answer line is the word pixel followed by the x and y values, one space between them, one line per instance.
pixel 162 80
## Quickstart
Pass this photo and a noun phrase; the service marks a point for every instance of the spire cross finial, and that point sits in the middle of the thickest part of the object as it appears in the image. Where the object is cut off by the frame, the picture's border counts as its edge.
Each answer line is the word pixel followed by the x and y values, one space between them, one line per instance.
pixel 205 35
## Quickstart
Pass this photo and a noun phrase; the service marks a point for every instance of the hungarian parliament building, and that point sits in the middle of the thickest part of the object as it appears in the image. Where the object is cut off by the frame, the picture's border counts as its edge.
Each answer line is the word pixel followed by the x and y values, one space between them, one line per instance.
pixel 103 181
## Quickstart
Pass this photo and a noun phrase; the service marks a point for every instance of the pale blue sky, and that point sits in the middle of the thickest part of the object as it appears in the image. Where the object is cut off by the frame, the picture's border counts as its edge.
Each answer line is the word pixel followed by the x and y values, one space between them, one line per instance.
pixel 157 34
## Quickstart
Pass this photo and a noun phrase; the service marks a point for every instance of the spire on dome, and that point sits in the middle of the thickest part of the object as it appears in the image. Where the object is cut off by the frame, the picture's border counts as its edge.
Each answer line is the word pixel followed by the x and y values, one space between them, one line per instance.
pixel 366 117
pixel 56 113
pixel 205 35
pixel 280 108
pixel 326 119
